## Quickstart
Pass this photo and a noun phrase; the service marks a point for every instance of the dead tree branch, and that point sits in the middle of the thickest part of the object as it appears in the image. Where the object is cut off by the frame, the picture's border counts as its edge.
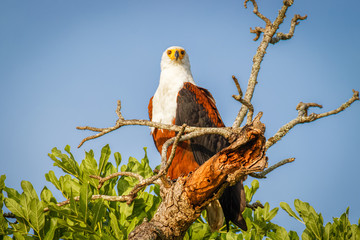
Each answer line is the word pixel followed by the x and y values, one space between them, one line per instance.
pixel 254 206
pixel 125 198
pixel 256 11
pixel 270 169
pixel 242 101
pixel 115 175
pixel 269 32
pixel 225 132
pixel 304 118
pixel 287 36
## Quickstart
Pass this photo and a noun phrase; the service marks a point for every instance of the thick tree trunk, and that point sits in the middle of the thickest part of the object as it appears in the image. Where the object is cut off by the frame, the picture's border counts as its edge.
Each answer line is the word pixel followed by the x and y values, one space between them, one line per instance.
pixel 183 202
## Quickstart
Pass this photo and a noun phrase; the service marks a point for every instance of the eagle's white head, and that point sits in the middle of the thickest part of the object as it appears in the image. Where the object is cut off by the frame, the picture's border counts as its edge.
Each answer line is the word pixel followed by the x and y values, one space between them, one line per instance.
pixel 175 71
pixel 175 57
pixel 175 67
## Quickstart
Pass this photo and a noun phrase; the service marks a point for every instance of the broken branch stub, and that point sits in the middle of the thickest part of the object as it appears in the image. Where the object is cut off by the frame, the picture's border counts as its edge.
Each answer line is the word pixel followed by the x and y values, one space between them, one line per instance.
pixel 245 155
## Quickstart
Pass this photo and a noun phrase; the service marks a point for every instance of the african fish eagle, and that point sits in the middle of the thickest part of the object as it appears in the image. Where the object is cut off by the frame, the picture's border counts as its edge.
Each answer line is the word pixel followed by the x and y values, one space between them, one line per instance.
pixel 178 100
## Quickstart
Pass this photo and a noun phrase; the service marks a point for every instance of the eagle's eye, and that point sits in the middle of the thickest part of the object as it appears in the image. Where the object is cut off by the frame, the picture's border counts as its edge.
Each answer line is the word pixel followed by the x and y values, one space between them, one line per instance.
pixel 182 52
pixel 169 52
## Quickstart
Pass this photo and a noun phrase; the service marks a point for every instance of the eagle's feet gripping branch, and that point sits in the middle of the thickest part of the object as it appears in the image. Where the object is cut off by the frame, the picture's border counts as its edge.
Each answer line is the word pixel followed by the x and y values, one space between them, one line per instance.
pixel 184 201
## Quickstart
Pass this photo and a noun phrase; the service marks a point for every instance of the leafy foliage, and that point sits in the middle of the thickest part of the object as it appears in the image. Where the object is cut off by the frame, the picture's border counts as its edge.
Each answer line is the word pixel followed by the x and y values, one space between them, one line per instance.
pixel 341 228
pixel 84 218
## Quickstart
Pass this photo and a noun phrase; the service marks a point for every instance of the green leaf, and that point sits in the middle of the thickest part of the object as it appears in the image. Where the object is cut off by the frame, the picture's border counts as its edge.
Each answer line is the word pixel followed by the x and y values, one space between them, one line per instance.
pixel 293 235
pixel 37 216
pixel 63 161
pixel 73 206
pixel 85 196
pixel 279 234
pixel 28 189
pixel 123 186
pixel 327 231
pixel 231 236
pixel 47 196
pixel 148 172
pixel 51 232
pixel 13 194
pixel 89 167
pixel 104 158
pixel 14 207
pixel 251 191
pixel 69 185
pixel 98 212
pixel 50 177
pixel 271 214
pixel 307 235
pixel 314 229
pixel 115 226
pixel 18 236
pixel 3 225
pixel 25 202
pixel 288 209
pixel 2 182
pixel 117 157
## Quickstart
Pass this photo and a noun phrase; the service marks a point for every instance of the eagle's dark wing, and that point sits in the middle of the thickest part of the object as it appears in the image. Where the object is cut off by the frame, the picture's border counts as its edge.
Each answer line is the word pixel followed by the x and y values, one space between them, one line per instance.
pixel 196 107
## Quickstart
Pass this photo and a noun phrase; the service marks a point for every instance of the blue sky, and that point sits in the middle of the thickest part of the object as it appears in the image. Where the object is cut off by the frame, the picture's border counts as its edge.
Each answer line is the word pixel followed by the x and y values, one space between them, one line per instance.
pixel 66 63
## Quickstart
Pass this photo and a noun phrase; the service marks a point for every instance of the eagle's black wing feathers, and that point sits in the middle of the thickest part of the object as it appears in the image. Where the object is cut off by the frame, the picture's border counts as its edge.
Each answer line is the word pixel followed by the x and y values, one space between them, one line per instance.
pixel 191 111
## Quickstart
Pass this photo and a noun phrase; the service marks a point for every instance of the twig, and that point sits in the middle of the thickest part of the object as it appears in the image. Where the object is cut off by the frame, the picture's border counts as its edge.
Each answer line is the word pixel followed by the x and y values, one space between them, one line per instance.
pixel 165 161
pixel 114 175
pixel 124 198
pixel 118 110
pixel 302 108
pixel 242 101
pixel 254 205
pixel 257 31
pixel 9 215
pixel 303 118
pixel 287 36
pixel 256 11
pixel 273 167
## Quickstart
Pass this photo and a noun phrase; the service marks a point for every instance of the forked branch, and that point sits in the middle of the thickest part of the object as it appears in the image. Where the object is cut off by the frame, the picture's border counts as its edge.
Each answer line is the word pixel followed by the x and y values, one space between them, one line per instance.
pixel 269 32
pixel 304 118
pixel 290 34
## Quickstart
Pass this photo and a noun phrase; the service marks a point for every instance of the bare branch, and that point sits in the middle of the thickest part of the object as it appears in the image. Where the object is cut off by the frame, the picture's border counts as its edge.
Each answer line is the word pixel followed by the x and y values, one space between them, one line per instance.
pixel 270 169
pixel 269 33
pixel 225 132
pixel 254 205
pixel 237 84
pixel 114 175
pixel 256 11
pixel 118 110
pixel 304 118
pixel 303 108
pixel 165 163
pixel 9 215
pixel 287 36
pixel 125 198
pixel 257 31
pixel 242 101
